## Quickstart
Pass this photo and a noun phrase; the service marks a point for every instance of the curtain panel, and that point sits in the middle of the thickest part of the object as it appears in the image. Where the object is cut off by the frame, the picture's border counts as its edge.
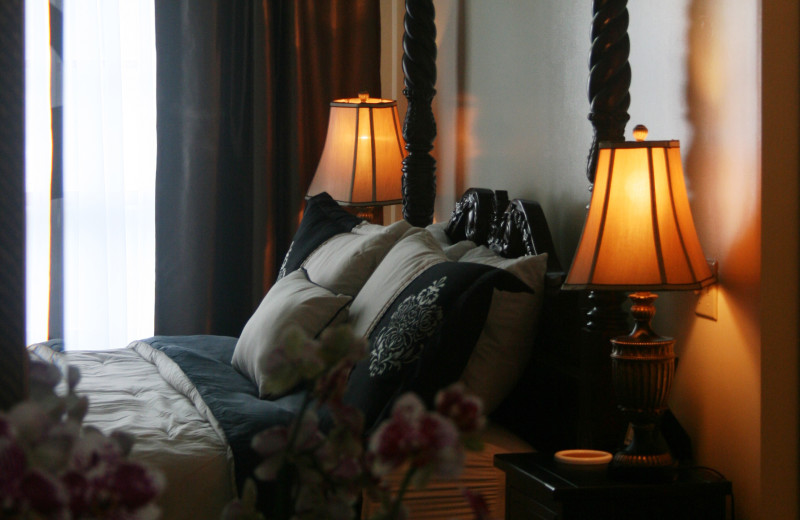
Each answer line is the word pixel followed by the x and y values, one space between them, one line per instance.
pixel 243 89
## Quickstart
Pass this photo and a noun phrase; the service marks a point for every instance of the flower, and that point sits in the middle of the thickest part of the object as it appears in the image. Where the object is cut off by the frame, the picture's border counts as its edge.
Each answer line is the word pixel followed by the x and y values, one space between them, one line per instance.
pixel 53 467
pixel 464 409
pixel 427 440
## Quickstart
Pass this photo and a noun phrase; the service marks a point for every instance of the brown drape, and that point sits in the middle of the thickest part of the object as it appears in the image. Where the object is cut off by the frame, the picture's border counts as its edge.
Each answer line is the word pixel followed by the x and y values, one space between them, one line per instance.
pixel 243 93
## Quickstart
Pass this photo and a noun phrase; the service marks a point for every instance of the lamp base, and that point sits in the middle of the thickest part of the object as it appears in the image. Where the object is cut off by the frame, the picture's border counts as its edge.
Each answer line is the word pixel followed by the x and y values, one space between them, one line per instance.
pixel 643 366
pixel 372 214
pixel 647 450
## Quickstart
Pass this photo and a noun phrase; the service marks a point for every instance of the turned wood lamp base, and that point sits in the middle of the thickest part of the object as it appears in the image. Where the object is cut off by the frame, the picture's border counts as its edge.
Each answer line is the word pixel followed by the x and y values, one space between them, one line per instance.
pixel 643 366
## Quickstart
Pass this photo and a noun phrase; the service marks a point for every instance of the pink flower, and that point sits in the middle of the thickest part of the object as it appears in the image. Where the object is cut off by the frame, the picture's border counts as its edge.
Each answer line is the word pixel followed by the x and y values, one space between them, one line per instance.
pixel 77 487
pixel 133 485
pixel 391 445
pixel 271 444
pixel 331 385
pixel 425 439
pixel 465 410
pixel 441 446
pixel 43 494
pixel 339 344
pixel 93 449
pixel 295 360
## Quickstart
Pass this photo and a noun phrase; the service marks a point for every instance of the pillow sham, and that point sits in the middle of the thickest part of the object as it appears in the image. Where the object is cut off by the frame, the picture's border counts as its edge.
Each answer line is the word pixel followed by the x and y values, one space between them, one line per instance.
pixel 422 342
pixel 322 219
pixel 505 345
pixel 293 301
pixel 410 256
pixel 345 261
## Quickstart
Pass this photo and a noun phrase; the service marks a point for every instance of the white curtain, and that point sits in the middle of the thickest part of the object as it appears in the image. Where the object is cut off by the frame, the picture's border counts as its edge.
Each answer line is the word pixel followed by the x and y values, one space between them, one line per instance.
pixel 109 172
pixel 38 157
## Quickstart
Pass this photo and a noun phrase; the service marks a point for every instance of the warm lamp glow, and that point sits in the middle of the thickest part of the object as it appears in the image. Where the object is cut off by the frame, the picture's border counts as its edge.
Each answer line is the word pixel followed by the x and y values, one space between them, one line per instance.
pixel 362 159
pixel 639 233
pixel 639 236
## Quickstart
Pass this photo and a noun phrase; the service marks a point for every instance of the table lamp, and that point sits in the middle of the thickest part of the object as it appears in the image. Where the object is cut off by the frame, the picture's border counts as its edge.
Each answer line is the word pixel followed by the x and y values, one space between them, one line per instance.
pixel 361 163
pixel 639 236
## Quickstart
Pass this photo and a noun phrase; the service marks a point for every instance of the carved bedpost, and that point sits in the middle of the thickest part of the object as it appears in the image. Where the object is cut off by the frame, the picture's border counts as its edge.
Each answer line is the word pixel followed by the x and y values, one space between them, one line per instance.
pixel 610 75
pixel 13 357
pixel 609 96
pixel 419 128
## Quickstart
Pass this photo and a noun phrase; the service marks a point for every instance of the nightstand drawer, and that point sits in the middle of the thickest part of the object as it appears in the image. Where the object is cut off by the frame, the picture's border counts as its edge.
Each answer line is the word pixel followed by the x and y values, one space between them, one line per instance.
pixel 538 488
pixel 520 505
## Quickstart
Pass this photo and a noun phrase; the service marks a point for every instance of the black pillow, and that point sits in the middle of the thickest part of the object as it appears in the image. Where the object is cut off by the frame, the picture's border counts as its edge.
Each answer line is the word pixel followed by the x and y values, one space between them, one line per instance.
pixel 322 219
pixel 424 339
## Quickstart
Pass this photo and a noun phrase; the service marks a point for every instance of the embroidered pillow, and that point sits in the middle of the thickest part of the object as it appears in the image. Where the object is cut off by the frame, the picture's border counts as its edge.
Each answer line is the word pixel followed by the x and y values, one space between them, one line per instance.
pixel 410 256
pixel 505 344
pixel 345 261
pixel 322 219
pixel 293 300
pixel 422 342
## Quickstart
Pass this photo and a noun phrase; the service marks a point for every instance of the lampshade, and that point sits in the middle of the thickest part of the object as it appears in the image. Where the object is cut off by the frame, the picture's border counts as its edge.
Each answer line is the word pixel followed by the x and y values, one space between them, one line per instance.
pixel 362 159
pixel 639 233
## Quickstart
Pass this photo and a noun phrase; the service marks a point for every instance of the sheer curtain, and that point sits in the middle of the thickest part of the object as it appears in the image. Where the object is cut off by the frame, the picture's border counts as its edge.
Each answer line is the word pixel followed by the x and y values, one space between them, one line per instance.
pixel 38 157
pixel 109 172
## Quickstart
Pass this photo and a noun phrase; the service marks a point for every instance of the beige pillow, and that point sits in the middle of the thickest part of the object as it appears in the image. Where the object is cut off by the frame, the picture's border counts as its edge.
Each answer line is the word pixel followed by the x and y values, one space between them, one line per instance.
pixel 344 262
pixel 409 257
pixel 452 251
pixel 293 300
pixel 504 347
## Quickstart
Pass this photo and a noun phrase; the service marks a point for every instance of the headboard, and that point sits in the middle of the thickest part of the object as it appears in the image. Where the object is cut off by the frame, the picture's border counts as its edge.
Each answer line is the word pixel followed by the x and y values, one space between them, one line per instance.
pixel 565 398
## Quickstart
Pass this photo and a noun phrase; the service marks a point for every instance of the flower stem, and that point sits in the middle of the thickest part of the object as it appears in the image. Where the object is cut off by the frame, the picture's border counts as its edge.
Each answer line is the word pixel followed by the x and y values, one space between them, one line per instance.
pixel 398 500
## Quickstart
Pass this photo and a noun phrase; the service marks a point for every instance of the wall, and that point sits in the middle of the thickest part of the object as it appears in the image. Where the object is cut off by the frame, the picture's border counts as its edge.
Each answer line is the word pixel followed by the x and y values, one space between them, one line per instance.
pixel 511 109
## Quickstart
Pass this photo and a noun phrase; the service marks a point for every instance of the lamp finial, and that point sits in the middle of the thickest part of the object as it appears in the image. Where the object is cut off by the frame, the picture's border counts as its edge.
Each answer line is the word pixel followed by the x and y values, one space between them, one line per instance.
pixel 640 132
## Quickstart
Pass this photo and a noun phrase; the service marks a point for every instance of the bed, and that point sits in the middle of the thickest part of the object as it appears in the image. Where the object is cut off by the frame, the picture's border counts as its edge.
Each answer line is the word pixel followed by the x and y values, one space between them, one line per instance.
pixel 194 402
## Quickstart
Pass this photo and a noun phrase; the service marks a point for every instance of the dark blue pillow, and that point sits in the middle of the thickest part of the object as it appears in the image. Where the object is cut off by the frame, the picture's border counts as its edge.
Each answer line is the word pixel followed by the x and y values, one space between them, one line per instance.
pixel 322 219
pixel 424 339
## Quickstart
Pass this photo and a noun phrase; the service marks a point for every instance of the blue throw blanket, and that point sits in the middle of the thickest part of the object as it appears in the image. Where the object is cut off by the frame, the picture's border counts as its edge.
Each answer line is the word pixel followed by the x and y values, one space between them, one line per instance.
pixel 232 398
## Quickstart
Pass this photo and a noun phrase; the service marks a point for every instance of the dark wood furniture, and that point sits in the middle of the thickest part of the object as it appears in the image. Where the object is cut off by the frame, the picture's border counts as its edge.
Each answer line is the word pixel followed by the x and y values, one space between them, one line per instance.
pixel 537 487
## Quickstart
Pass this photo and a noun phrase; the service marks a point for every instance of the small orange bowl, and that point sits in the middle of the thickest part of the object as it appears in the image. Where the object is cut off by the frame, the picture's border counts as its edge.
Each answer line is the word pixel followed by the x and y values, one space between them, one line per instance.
pixel 583 457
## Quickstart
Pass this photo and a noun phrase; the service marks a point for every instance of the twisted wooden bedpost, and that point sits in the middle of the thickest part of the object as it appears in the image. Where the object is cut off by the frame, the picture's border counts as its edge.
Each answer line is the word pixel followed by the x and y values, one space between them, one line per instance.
pixel 609 97
pixel 13 358
pixel 419 128
pixel 609 76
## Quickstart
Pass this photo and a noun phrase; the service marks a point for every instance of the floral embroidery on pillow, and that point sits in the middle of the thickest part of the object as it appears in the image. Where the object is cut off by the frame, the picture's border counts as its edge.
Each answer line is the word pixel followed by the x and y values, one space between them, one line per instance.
pixel 400 342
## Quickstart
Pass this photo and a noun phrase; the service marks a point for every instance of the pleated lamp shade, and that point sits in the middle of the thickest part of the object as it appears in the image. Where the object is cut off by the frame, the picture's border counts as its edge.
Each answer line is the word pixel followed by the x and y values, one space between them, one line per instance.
pixel 639 234
pixel 361 163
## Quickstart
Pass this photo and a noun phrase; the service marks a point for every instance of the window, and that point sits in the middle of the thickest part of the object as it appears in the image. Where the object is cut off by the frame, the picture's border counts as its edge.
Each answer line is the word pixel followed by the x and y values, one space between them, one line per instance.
pixel 92 224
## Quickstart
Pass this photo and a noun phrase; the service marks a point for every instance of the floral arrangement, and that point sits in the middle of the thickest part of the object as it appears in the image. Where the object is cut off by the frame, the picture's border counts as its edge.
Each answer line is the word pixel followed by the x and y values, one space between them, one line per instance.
pixel 326 472
pixel 55 468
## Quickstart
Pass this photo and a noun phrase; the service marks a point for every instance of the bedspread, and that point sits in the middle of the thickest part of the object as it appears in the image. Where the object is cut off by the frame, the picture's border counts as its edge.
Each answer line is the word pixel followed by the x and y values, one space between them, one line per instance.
pixel 142 392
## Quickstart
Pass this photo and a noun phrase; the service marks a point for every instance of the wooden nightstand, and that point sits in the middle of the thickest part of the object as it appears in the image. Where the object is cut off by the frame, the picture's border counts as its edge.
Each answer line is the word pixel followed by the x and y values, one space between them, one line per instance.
pixel 539 488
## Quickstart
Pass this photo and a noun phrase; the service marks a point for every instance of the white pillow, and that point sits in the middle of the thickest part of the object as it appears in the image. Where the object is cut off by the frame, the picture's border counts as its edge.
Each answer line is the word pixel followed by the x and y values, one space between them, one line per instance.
pixel 504 347
pixel 452 251
pixel 344 262
pixel 293 300
pixel 409 257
